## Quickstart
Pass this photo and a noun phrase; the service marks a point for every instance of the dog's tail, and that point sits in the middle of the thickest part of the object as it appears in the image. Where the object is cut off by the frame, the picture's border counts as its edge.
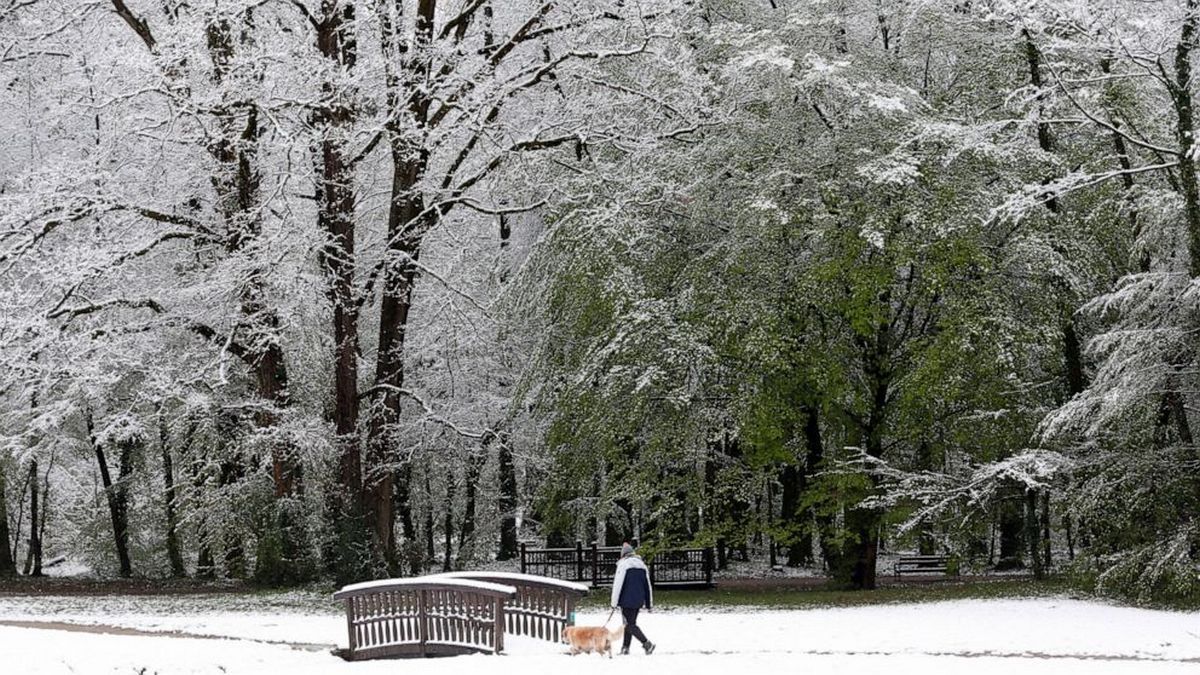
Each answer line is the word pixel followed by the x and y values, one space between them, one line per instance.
pixel 617 633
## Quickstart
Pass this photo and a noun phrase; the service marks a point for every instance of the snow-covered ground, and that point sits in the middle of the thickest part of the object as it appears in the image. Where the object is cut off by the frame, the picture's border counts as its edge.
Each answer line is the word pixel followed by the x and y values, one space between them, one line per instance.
pixel 249 635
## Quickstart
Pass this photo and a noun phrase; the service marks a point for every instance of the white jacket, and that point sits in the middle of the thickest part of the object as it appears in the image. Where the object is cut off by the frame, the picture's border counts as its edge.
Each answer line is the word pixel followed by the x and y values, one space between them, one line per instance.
pixel 627 563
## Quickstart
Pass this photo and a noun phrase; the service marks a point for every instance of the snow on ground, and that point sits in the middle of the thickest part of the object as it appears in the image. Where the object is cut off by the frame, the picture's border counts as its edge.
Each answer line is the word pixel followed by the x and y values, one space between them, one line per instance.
pixel 979 637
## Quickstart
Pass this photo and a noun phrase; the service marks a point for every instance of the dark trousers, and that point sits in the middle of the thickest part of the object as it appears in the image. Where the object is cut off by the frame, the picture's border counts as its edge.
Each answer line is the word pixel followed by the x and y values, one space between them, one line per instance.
pixel 631 627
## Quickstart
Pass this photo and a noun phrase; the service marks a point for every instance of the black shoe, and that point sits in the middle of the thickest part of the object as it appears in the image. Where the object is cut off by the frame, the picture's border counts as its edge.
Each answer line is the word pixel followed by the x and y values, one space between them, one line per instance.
pixel 649 647
pixel 624 651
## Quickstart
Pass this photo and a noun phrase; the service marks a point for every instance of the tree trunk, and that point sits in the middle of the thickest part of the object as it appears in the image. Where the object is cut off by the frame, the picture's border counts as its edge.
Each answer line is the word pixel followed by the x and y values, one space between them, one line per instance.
pixel 1181 98
pixel 466 530
pixel 771 560
pixel 234 558
pixel 863 524
pixel 236 181
pixel 814 458
pixel 174 554
pixel 407 222
pixel 1073 356
pixel 1047 560
pixel 1044 134
pixel 33 557
pixel 410 551
pixel 1127 182
pixel 8 566
pixel 335 197
pixel 206 566
pixel 508 499
pixel 430 549
pixel 448 522
pixel 206 569
pixel 115 494
pixel 789 507
pixel 1031 533
pixel 1070 537
pixel 1012 530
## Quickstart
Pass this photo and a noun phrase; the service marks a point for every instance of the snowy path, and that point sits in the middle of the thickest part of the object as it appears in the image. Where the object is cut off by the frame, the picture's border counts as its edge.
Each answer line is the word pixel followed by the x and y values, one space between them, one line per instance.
pixel 977 637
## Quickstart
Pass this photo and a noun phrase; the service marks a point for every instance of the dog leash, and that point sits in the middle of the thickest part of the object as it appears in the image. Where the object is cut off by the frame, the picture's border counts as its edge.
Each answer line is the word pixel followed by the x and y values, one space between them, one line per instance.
pixel 610 616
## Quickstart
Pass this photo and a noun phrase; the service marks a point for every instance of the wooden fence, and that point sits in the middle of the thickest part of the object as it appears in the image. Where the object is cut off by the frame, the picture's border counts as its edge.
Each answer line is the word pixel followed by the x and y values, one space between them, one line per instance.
pixel 597 565
pixel 541 608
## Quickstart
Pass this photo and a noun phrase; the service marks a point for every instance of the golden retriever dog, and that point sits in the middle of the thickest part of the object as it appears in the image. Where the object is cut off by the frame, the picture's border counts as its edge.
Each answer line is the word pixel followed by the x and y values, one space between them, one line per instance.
pixel 591 639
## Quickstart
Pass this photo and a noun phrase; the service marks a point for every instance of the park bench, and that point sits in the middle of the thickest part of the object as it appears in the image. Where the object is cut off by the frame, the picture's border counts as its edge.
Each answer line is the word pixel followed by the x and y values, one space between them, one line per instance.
pixel 454 613
pixel 922 565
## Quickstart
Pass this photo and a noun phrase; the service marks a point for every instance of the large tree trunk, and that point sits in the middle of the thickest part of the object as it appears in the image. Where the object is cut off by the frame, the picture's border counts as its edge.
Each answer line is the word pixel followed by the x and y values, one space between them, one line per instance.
pixel 466 530
pixel 236 181
pixel 506 470
pixel 799 548
pixel 233 471
pixel 33 556
pixel 333 123
pixel 1044 521
pixel 1031 533
pixel 795 483
pixel 448 522
pixel 863 524
pixel 507 474
pixel 1181 98
pixel 115 494
pixel 1011 531
pixel 8 566
pixel 206 568
pixel 1072 354
pixel 814 458
pixel 1126 164
pixel 411 550
pixel 407 222
pixel 174 554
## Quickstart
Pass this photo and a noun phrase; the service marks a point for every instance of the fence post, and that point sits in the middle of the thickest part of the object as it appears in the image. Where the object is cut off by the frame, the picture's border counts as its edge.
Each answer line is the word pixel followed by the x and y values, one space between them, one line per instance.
pixel 423 619
pixel 595 564
pixel 350 625
pixel 522 557
pixel 708 566
pixel 653 572
pixel 499 626
pixel 578 561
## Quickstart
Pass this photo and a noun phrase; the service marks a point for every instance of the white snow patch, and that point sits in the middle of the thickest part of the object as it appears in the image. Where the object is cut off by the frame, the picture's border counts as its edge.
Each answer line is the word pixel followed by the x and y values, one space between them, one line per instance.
pixel 889 104
pixel 983 637
pixel 768 57
pixel 515 577
pixel 417 581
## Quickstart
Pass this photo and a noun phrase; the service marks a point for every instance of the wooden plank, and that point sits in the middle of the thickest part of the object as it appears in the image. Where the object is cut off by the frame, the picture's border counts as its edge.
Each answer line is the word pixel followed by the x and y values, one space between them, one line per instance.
pixel 498 629
pixel 352 643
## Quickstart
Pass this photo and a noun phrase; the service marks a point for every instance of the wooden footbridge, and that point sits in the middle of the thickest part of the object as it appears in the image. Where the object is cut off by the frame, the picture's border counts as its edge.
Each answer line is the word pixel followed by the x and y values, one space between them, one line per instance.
pixel 454 613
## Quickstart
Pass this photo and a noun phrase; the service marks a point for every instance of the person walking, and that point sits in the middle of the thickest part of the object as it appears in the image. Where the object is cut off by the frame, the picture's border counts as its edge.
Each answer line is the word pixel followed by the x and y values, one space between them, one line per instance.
pixel 631 591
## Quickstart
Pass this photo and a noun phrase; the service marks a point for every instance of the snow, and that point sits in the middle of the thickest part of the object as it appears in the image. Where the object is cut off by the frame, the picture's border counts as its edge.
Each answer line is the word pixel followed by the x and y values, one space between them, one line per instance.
pixel 516 577
pixel 244 635
pixel 417 581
